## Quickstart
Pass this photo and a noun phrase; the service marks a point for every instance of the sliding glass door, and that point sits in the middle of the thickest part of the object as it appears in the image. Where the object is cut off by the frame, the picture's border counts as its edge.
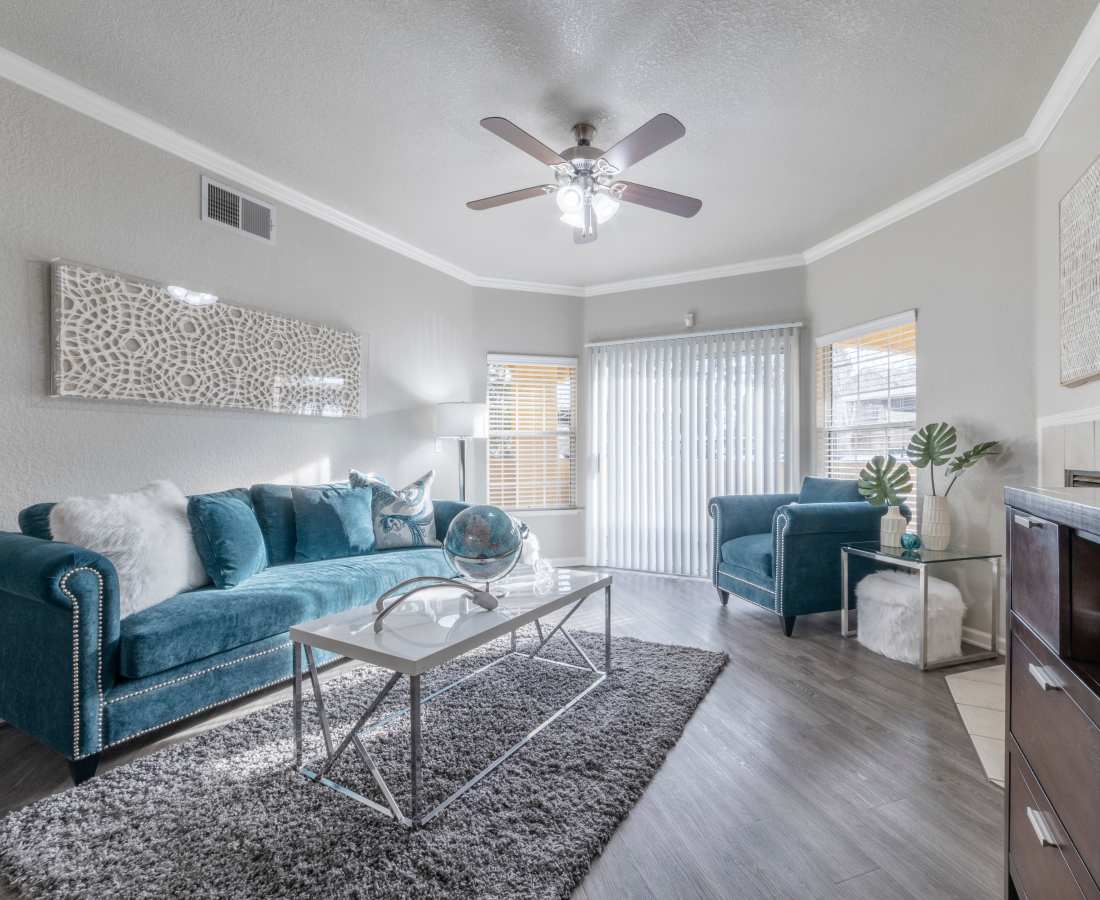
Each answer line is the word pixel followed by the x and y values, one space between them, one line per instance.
pixel 672 422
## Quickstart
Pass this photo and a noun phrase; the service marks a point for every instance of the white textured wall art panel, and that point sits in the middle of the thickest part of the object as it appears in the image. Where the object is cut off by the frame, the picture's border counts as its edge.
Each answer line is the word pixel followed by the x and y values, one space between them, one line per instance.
pixel 116 337
pixel 1079 273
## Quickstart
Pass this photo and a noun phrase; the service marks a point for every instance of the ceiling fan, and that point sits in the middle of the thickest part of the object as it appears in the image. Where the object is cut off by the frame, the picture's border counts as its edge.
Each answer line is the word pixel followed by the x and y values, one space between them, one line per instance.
pixel 586 186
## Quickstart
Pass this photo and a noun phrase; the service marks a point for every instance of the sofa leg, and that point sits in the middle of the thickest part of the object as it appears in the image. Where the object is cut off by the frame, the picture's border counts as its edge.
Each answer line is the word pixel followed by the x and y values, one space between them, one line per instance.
pixel 83 769
pixel 788 625
pixel 724 596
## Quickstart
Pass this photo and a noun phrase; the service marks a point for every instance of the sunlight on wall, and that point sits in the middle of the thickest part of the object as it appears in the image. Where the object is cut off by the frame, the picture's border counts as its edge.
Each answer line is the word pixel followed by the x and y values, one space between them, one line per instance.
pixel 317 472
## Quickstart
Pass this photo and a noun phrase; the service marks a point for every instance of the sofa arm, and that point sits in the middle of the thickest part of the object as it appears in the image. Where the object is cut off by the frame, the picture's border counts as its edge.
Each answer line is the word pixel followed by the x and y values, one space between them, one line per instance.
pixel 59 623
pixel 445 511
pixel 737 515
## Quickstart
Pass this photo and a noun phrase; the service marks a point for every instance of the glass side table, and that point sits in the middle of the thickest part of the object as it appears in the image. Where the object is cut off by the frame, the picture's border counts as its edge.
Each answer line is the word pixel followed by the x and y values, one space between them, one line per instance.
pixel 920 560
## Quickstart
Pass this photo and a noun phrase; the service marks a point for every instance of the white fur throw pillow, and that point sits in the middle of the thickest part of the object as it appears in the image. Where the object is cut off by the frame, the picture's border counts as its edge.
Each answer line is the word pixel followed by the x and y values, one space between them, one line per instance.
pixel 145 534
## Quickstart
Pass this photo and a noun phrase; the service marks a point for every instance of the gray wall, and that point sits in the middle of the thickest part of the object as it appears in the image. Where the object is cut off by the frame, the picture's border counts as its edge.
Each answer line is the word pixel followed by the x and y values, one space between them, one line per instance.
pixel 1068 152
pixel 74 188
pixel 967 265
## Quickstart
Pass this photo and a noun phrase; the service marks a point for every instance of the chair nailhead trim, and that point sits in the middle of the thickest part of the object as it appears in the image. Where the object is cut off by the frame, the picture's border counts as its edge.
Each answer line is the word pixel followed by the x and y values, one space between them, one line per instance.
pixel 759 587
pixel 715 514
pixel 74 602
pixel 181 678
pixel 780 554
pixel 755 603
pixel 195 712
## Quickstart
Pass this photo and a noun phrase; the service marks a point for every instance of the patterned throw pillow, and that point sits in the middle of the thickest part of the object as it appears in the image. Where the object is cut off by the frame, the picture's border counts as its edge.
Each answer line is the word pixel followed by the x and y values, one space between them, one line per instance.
pixel 402 518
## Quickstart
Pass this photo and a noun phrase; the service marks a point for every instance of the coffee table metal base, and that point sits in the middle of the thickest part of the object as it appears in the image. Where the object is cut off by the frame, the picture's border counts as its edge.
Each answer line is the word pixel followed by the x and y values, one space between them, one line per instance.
pixel 392 809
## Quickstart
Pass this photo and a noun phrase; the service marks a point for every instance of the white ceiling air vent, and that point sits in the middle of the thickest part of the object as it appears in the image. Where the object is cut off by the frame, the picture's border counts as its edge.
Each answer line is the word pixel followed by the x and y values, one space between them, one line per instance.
pixel 228 206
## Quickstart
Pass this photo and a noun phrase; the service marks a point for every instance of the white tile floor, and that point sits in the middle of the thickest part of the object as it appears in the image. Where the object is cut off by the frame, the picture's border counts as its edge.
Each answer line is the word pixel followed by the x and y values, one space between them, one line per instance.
pixel 980 697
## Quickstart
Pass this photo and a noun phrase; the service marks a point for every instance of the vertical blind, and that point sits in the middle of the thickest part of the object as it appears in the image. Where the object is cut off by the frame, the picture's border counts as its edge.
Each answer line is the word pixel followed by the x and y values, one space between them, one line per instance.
pixel 532 432
pixel 672 422
pixel 867 396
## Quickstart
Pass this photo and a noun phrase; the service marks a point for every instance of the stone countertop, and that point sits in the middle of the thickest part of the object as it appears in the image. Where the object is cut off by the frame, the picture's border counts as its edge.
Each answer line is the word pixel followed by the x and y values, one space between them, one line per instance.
pixel 1075 507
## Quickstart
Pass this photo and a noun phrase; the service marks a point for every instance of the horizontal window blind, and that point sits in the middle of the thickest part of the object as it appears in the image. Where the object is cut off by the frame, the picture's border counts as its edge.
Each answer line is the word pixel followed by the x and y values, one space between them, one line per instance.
pixel 675 421
pixel 867 397
pixel 532 432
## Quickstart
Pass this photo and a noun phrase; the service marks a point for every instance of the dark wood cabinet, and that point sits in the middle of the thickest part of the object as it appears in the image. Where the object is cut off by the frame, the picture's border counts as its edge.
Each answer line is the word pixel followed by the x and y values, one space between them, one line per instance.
pixel 1038 575
pixel 1052 769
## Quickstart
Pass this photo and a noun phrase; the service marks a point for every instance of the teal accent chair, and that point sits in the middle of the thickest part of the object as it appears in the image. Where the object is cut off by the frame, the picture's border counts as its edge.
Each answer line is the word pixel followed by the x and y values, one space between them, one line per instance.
pixel 782 551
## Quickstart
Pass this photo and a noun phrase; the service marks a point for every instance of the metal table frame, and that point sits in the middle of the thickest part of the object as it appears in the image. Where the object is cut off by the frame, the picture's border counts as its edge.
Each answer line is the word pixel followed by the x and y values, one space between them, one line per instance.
pixel 920 566
pixel 418 817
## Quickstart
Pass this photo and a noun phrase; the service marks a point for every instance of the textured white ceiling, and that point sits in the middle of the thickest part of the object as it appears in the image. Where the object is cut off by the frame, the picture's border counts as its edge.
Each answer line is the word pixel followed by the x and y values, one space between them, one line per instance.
pixel 802 117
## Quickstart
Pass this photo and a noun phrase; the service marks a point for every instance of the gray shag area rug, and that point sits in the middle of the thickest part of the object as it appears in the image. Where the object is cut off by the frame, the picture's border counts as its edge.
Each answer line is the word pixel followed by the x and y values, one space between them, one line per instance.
pixel 219 816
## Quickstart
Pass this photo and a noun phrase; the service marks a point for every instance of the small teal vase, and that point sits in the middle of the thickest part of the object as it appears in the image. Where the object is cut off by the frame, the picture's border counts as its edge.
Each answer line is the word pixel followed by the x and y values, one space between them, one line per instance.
pixel 910 540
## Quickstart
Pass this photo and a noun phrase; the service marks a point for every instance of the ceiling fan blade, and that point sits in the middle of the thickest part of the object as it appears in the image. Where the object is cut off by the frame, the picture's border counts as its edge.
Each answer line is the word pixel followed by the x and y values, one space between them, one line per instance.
pixel 655 198
pixel 517 137
pixel 658 132
pixel 538 190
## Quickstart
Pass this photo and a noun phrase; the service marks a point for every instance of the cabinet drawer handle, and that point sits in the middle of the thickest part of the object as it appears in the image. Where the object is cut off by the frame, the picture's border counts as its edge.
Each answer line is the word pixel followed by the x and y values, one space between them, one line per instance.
pixel 1043 678
pixel 1042 829
pixel 1028 522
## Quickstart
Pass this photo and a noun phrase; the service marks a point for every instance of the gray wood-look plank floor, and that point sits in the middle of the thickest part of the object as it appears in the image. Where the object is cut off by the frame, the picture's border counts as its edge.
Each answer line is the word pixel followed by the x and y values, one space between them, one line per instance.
pixel 813 769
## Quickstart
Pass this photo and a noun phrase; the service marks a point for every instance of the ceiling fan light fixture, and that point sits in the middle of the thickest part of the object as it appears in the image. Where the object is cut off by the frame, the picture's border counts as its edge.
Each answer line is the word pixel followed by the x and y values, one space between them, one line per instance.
pixel 604 206
pixel 570 198
pixel 585 191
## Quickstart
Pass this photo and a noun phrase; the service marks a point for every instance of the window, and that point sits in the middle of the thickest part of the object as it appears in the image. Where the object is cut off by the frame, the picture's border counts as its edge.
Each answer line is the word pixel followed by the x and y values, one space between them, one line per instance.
pixel 673 421
pixel 867 396
pixel 532 432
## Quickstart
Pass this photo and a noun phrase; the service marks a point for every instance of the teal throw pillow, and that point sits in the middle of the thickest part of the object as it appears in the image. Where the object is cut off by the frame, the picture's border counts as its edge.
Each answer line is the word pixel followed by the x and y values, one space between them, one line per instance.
pixel 227 536
pixel 331 521
pixel 829 490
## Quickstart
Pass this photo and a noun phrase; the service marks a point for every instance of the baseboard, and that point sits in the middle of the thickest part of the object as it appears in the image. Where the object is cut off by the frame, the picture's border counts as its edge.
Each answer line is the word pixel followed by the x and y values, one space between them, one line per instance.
pixel 981 638
pixel 560 562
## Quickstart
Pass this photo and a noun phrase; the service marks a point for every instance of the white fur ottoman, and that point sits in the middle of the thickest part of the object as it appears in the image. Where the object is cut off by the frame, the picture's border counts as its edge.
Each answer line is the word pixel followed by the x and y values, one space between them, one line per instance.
pixel 889 616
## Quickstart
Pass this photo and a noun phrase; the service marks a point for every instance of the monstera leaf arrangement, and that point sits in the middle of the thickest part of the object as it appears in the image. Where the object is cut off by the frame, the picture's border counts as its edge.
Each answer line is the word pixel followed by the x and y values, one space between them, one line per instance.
pixel 883 480
pixel 936 444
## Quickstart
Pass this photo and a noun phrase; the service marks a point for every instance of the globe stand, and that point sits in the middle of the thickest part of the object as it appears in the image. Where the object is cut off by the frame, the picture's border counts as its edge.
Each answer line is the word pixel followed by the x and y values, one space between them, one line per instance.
pixel 412 586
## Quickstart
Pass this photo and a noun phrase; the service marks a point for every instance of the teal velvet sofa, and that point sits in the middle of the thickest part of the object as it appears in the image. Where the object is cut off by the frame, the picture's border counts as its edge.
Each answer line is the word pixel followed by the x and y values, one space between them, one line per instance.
pixel 782 551
pixel 82 680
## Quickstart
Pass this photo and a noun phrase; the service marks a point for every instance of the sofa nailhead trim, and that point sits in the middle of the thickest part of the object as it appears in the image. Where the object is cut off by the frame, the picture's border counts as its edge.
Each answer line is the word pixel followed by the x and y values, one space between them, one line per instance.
pixel 195 712
pixel 74 602
pixel 181 678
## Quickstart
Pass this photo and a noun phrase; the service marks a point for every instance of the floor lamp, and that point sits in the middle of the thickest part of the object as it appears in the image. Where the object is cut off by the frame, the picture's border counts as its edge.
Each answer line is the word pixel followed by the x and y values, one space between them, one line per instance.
pixel 461 422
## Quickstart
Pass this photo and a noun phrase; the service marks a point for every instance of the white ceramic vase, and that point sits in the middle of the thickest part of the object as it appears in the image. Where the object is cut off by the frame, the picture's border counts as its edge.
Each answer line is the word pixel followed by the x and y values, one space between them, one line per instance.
pixel 935 523
pixel 891 527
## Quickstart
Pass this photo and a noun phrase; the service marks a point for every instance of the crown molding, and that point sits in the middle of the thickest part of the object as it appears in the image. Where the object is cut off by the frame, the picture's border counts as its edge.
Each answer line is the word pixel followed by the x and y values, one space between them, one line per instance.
pixel 1078 65
pixel 532 287
pixel 68 93
pixel 793 261
pixel 999 159
pixel 1071 76
pixel 1080 62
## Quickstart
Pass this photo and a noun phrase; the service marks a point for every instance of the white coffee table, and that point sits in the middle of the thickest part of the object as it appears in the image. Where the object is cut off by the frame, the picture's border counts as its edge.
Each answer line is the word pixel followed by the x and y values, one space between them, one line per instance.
pixel 427 630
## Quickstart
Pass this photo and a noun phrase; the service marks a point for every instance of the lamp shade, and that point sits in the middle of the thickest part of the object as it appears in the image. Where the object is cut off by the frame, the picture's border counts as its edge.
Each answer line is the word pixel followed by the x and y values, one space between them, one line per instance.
pixel 460 420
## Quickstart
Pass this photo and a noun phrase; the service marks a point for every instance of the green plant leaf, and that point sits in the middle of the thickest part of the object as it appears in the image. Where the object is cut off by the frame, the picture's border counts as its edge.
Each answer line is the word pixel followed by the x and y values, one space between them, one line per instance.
pixel 974 455
pixel 882 480
pixel 933 445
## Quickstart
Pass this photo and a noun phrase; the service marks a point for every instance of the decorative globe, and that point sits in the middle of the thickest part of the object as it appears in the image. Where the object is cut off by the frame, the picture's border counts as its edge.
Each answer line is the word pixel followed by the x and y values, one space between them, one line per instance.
pixel 483 543
pixel 910 540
